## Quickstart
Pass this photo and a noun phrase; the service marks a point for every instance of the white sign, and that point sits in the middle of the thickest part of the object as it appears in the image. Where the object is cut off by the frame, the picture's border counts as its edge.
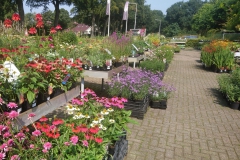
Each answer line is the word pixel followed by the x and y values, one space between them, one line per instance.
pixel 107 51
pixel 11 69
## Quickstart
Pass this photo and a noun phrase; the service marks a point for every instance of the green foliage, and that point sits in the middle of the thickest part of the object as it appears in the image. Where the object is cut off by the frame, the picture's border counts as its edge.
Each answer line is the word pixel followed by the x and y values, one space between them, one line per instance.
pixel 68 37
pixel 154 65
pixel 172 30
pixel 194 43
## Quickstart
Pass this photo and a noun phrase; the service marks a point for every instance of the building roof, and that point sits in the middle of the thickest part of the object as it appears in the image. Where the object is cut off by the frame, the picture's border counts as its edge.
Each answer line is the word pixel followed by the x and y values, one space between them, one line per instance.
pixel 80 28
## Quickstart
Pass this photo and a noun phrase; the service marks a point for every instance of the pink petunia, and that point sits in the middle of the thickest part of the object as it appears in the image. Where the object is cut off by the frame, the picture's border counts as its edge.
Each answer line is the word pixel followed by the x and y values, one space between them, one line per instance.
pixel 74 140
pixel 6 135
pixel 12 105
pixel 47 145
pixel 36 133
pixel 13 114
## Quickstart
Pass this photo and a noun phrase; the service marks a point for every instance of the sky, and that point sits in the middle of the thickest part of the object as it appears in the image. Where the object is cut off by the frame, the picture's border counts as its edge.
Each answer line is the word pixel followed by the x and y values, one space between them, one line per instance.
pixel 162 5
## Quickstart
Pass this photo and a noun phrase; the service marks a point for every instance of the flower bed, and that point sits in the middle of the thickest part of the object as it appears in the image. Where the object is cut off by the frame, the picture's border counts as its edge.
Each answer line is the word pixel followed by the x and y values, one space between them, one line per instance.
pixel 93 124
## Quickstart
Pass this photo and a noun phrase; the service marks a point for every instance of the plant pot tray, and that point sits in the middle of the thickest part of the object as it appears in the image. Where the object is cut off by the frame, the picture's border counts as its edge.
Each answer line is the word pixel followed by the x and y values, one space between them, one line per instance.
pixel 159 104
pixel 138 108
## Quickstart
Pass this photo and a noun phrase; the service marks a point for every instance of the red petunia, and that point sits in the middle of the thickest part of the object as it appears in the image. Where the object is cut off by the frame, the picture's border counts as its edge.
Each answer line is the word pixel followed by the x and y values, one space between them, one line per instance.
pixel 15 17
pixel 39 24
pixel 38 17
pixel 32 30
pixel 7 23
pixel 53 30
pixel 58 27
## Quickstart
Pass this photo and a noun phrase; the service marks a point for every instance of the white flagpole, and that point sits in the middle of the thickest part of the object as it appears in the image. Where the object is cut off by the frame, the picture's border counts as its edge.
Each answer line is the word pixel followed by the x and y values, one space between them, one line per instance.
pixel 109 17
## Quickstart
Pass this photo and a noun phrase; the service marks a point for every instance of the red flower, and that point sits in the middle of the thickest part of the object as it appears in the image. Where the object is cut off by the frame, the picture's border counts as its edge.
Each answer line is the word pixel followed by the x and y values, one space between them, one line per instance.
pixel 52 134
pixel 76 130
pixel 57 121
pixel 98 140
pixel 38 17
pixel 94 130
pixel 83 128
pixel 58 27
pixel 15 17
pixel 89 137
pixel 39 24
pixel 38 125
pixel 7 23
pixel 43 119
pixel 45 128
pixel 53 30
pixel 32 30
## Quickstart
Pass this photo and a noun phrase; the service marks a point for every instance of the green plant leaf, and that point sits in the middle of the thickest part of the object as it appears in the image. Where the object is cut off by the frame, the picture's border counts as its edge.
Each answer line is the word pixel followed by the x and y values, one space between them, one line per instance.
pixel 30 96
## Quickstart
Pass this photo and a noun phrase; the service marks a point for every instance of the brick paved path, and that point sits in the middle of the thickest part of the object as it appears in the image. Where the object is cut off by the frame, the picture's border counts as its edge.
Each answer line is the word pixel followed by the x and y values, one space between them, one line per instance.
pixel 197 123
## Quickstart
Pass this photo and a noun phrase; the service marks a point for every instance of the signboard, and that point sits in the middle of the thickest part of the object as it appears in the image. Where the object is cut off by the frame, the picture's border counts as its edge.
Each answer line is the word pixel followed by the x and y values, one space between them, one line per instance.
pixel 11 69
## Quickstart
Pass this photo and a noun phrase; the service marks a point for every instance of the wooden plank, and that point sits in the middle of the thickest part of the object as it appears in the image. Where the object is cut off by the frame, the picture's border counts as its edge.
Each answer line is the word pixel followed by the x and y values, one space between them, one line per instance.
pixel 47 107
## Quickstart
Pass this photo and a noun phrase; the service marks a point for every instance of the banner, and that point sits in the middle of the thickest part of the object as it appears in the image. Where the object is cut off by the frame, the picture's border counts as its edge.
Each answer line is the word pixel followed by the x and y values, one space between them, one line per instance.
pixel 108 7
pixel 125 13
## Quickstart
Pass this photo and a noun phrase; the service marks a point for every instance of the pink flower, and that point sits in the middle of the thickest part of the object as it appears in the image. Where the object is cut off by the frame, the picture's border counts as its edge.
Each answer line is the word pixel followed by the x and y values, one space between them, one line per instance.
pixel 2 155
pixel 15 157
pixel 10 142
pixel 44 151
pixel 47 145
pixel 12 105
pixel 13 114
pixel 31 146
pixel 6 135
pixel 85 143
pixel 66 143
pixel 120 105
pixel 74 140
pixel 20 135
pixel 43 119
pixel 31 115
pixel 36 133
pixel 4 147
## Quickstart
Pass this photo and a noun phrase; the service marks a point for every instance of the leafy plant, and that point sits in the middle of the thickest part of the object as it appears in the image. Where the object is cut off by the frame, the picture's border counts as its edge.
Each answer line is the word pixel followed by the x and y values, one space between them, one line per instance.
pixel 154 65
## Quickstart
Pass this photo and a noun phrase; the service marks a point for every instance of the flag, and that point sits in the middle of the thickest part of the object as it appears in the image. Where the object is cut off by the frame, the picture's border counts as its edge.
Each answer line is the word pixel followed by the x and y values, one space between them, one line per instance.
pixel 125 13
pixel 108 7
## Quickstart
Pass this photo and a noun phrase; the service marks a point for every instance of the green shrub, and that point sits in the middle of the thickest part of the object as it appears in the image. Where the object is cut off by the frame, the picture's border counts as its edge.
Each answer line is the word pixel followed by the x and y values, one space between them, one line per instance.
pixel 194 43
pixel 68 37
pixel 153 65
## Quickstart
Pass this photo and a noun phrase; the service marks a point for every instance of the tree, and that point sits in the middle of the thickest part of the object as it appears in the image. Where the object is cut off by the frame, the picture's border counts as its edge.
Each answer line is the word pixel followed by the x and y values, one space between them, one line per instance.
pixel 45 3
pixel 20 11
pixel 182 13
pixel 7 8
pixel 172 30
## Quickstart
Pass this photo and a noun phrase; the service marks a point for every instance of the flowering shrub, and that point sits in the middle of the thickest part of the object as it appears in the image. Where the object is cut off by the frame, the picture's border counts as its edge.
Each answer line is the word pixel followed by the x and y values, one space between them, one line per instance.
pixel 136 84
pixel 95 123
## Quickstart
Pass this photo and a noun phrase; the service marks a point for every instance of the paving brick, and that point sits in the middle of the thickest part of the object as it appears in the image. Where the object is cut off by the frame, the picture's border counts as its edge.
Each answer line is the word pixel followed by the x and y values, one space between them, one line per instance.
pixel 198 124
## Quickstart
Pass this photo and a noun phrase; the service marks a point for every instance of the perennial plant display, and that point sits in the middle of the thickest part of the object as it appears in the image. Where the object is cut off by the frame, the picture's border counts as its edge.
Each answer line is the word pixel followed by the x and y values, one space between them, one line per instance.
pixel 94 124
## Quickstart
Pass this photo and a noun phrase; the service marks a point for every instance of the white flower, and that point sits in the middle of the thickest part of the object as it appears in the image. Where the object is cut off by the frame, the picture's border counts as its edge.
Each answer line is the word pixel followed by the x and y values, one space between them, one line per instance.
pixel 70 112
pixel 87 116
pixel 104 112
pixel 104 128
pixel 111 121
pixel 110 110
pixel 70 107
pixel 100 126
